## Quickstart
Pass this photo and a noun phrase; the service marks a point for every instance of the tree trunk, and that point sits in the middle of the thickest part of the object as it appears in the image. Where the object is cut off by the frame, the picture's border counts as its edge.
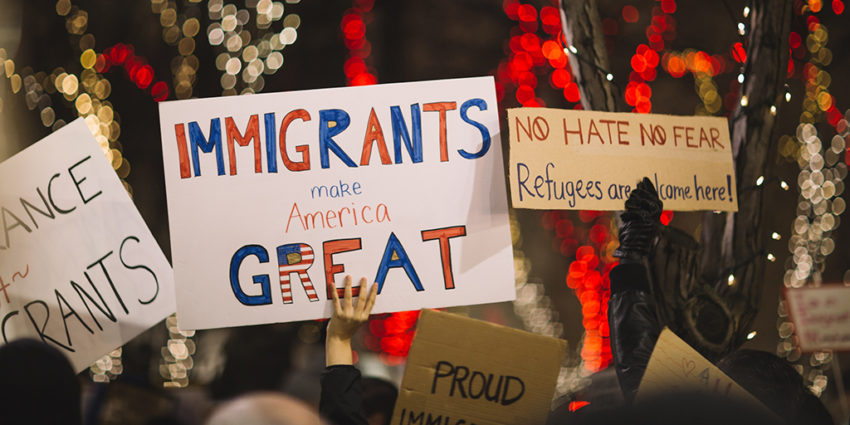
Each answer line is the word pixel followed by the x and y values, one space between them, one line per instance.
pixel 733 242
pixel 589 63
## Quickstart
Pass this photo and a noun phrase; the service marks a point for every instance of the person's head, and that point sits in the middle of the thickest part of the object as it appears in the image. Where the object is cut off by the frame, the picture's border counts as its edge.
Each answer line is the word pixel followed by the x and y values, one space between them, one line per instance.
pixel 264 408
pixel 776 383
pixel 39 385
pixel 379 398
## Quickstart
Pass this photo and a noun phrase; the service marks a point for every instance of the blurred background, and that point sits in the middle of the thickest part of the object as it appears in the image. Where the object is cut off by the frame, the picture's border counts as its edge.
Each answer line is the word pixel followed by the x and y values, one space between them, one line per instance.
pixel 112 61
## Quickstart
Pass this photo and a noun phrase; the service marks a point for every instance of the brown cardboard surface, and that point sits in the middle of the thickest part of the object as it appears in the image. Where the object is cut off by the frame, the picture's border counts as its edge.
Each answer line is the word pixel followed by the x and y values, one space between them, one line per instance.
pixel 821 316
pixel 570 159
pixel 674 365
pixel 511 356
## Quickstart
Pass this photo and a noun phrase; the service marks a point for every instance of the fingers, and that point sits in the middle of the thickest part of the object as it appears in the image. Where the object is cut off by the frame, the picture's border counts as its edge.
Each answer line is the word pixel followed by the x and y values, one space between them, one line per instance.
pixel 370 300
pixel 361 298
pixel 346 302
pixel 335 298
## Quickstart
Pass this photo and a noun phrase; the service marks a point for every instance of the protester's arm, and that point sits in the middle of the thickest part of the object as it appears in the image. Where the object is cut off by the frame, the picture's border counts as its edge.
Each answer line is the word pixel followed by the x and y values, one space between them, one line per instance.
pixel 341 387
pixel 632 316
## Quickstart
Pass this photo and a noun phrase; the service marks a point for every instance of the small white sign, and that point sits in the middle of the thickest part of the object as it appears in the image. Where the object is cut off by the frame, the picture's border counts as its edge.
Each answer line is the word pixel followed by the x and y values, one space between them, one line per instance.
pixel 821 317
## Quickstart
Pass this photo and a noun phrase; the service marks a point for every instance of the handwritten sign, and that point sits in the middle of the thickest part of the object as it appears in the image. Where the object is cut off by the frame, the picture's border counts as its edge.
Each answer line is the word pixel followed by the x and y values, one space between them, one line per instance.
pixel 274 198
pixel 467 371
pixel 569 159
pixel 79 270
pixel 821 317
pixel 674 366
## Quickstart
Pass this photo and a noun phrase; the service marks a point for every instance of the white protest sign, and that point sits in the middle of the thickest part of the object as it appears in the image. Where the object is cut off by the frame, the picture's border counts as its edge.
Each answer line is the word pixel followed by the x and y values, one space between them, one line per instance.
pixel 570 159
pixel 80 270
pixel 821 316
pixel 274 198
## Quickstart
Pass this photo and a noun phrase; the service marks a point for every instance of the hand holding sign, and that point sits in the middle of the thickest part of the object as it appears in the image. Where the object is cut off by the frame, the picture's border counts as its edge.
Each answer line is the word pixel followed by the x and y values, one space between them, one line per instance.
pixel 640 222
pixel 346 320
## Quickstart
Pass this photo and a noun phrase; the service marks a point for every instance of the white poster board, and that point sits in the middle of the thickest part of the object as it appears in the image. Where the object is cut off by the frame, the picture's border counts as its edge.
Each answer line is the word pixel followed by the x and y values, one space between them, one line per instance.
pixel 274 198
pixel 567 159
pixel 80 270
pixel 821 316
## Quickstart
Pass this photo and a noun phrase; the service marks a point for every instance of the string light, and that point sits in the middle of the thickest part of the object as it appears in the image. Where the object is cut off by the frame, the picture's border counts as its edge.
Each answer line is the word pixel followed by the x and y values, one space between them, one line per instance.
pixel 775 236
pixel 759 181
pixel 745 101
pixel 177 355
pixel 821 183
pixel 179 30
pixel 730 280
pixel 746 11
pixel 751 335
pixel 771 257
pixel 742 29
pixel 249 48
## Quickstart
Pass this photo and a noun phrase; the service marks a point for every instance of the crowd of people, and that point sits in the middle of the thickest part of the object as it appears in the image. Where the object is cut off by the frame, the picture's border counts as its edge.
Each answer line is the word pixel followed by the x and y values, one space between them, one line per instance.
pixel 40 386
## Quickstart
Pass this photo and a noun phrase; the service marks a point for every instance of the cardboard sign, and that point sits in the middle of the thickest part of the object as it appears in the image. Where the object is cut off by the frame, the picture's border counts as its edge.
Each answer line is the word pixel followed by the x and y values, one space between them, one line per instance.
pixel 467 371
pixel 274 198
pixel 674 366
pixel 589 160
pixel 80 270
pixel 821 317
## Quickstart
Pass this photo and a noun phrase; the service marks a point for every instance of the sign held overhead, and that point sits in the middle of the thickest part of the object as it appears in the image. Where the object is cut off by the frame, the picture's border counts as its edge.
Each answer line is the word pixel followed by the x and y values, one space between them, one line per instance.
pixel 80 270
pixel 273 198
pixel 572 159
pixel 467 371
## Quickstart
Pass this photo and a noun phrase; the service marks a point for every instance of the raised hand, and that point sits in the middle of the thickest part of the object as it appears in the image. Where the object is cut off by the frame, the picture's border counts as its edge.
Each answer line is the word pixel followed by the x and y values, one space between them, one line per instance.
pixel 346 319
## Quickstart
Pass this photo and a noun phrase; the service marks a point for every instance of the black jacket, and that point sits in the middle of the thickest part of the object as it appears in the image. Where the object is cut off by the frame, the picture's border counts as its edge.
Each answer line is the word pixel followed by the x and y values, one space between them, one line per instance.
pixel 633 323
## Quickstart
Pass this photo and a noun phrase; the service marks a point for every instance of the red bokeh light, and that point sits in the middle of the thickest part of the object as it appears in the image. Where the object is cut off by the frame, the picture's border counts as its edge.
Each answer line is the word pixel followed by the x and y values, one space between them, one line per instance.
pixel 571 92
pixel 630 14
pixel 527 13
pixel 738 52
pixel 159 91
pixel 668 6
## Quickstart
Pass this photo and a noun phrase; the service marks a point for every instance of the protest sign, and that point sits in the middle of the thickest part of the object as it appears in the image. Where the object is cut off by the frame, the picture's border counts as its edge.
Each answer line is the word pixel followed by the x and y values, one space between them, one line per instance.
pixel 467 371
pixel 80 270
pixel 821 317
pixel 590 160
pixel 274 198
pixel 675 366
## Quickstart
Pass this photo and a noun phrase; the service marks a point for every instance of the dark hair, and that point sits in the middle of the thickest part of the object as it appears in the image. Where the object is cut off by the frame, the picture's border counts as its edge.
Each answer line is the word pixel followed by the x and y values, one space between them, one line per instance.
pixel 39 385
pixel 777 384
pixel 379 397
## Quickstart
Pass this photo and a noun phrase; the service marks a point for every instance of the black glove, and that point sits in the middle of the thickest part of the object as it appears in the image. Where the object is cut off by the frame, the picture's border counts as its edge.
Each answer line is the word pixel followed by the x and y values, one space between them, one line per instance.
pixel 640 222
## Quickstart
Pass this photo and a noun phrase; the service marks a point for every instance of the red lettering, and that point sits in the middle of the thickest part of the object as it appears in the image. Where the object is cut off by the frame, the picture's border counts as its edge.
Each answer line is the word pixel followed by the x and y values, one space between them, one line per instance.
pixel 233 135
pixel 568 132
pixel 329 248
pixel 444 235
pixel 620 133
pixel 374 133
pixel 441 107
pixel 182 151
